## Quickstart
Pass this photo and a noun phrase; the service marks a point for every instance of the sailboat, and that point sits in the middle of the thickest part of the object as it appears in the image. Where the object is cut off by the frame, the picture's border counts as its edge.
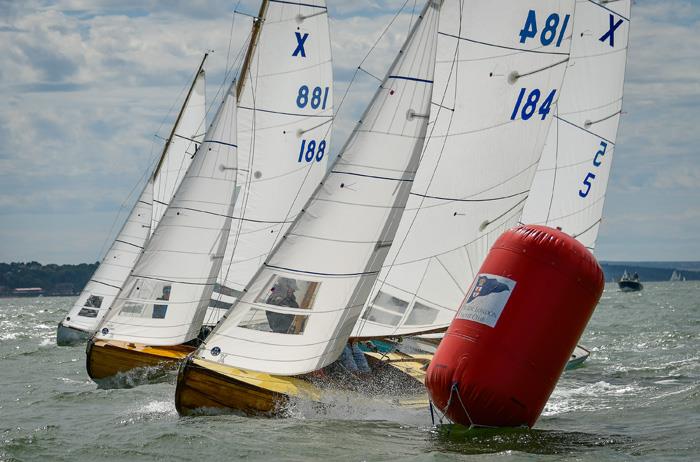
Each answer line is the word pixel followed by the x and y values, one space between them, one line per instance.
pixel 677 276
pixel 245 364
pixel 479 164
pixel 296 314
pixel 630 282
pixel 427 280
pixel 283 120
pixel 158 312
pixel 98 295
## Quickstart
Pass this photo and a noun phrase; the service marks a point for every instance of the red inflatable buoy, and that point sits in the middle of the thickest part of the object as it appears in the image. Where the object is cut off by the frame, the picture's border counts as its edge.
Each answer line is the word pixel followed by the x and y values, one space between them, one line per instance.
pixel 502 355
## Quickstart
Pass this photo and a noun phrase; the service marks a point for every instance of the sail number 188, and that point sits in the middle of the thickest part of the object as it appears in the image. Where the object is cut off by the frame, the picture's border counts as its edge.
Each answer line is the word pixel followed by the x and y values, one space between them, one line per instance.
pixel 310 150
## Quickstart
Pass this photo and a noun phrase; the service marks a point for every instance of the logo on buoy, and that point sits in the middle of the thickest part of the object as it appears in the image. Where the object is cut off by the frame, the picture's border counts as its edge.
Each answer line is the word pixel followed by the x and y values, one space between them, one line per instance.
pixel 486 299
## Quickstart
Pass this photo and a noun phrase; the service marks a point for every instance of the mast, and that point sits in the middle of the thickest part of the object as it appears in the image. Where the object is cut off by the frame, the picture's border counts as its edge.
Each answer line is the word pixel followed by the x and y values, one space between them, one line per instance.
pixel 179 116
pixel 254 35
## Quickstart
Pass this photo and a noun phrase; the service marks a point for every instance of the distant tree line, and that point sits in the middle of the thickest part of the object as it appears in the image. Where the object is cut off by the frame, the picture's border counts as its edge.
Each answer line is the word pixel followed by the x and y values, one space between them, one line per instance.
pixel 53 279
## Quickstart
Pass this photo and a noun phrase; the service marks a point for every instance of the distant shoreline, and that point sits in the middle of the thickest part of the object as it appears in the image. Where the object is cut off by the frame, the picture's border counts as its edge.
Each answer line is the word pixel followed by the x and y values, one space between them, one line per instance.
pixel 32 279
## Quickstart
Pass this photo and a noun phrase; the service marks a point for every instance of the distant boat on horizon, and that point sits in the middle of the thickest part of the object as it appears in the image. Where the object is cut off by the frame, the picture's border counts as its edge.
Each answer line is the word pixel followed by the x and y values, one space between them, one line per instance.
pixel 629 283
pixel 677 276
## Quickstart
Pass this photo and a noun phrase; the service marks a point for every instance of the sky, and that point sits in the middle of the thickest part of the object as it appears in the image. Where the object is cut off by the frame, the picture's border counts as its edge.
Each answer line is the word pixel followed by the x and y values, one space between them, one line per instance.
pixel 88 88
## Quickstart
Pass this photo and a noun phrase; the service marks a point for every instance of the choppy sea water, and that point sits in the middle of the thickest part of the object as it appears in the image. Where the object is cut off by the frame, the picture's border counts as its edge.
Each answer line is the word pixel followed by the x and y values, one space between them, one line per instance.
pixel 637 397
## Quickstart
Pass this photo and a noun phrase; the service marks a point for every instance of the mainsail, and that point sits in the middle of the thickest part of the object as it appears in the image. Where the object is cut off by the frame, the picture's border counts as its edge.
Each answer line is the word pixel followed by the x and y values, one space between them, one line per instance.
pixel 569 188
pixel 284 119
pixel 104 285
pixel 499 68
pixel 298 311
pixel 164 299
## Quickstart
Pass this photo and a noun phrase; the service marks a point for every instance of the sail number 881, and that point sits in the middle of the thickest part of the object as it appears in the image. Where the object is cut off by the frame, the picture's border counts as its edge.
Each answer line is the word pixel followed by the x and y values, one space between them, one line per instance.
pixel 314 98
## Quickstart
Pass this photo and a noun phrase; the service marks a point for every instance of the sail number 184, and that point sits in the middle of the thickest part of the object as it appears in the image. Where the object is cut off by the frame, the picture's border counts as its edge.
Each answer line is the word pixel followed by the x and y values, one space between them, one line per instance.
pixel 526 106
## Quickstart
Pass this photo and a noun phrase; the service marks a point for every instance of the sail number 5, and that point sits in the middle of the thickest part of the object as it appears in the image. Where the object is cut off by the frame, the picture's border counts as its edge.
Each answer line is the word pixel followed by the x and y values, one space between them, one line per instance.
pixel 548 33
pixel 590 176
pixel 530 104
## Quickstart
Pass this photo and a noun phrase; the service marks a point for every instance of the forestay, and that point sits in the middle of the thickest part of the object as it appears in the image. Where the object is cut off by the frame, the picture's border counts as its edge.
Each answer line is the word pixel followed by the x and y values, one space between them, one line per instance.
pixel 298 311
pixel 572 177
pixel 104 285
pixel 499 68
pixel 284 120
pixel 164 300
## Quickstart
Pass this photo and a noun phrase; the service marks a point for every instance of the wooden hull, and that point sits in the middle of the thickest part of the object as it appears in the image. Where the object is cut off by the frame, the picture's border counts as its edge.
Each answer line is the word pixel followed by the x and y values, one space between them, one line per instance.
pixel 205 386
pixel 106 359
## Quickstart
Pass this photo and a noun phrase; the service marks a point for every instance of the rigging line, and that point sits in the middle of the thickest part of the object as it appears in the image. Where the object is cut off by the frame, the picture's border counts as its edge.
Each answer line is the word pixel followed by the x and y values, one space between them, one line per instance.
pixel 491 221
pixel 586 130
pixel 139 276
pixel 105 284
pixel 589 123
pixel 330 120
pixel 503 46
pixel 440 105
pixel 328 239
pixel 597 222
pixel 374 176
pixel 283 113
pixel 297 3
pixel 187 138
pixel 490 199
pixel 369 73
pixel 609 9
pixel 595 108
pixel 556 166
pixel 128 243
pixel 316 273
pixel 518 75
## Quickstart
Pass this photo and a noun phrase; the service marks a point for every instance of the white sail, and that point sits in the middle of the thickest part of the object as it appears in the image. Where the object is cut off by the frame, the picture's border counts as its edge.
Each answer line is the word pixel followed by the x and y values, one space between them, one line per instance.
pixel 284 120
pixel 164 299
pixel 104 285
pixel 298 311
pixel 499 68
pixel 187 134
pixel 572 177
